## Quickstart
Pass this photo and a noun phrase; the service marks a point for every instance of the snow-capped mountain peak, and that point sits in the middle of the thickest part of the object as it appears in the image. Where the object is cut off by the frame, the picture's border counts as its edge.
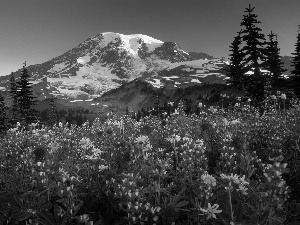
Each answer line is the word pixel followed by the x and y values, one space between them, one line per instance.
pixel 131 43
pixel 104 62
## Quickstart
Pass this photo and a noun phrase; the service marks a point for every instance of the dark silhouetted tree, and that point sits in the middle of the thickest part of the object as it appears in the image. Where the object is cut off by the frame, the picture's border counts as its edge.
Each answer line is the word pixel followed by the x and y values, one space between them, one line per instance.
pixel 254 54
pixel 274 63
pixel 25 97
pixel 14 95
pixel 138 116
pixel 296 64
pixel 156 105
pixel 236 68
pixel 3 116
pixel 52 112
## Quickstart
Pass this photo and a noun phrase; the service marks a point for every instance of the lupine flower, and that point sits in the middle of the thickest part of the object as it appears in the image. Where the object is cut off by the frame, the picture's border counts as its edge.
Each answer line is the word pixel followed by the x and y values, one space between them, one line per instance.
pixel 233 122
pixel 283 96
pixel 174 138
pixel 142 139
pixel 211 210
pixel 273 97
pixel 208 179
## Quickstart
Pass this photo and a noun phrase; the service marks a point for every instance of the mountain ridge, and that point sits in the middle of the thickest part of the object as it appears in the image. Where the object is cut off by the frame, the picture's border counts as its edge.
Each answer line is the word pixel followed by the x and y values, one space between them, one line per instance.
pixel 109 60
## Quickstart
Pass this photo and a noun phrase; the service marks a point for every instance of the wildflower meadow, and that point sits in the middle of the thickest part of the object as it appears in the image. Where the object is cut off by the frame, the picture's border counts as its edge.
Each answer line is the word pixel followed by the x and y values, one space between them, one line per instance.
pixel 223 166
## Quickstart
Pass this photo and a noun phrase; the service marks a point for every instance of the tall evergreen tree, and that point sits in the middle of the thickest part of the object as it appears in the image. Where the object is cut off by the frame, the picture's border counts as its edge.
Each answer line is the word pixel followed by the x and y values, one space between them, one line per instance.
pixel 254 54
pixel 53 114
pixel 236 67
pixel 3 116
pixel 274 63
pixel 14 94
pixel 296 64
pixel 156 105
pixel 25 96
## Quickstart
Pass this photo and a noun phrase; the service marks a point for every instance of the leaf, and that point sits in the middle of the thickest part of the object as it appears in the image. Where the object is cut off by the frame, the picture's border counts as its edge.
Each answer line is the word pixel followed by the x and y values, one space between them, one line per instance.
pixel 49 218
pixel 43 222
pixel 181 204
pixel 239 212
pixel 77 207
pixel 276 220
pixel 23 216
pixel 248 209
pixel 249 158
pixel 19 202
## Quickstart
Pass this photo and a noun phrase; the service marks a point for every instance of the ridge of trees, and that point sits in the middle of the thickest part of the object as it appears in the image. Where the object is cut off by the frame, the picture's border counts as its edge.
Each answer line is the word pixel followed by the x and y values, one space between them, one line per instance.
pixel 251 55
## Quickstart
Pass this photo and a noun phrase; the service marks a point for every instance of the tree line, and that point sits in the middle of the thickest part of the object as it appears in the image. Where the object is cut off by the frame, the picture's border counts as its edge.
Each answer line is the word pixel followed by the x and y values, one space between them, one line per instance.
pixel 22 111
pixel 256 67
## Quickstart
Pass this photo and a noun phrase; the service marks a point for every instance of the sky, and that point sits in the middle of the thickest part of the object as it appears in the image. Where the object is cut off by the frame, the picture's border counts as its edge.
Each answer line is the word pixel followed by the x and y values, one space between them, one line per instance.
pixel 39 30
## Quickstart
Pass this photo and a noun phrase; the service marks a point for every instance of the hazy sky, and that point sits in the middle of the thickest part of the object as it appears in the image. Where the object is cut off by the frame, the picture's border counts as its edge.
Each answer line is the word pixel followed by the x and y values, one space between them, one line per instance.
pixel 39 30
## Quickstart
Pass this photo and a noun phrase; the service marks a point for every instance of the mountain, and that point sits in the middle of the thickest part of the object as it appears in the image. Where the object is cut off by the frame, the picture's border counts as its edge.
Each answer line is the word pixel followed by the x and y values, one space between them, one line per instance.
pixel 109 61
pixel 104 62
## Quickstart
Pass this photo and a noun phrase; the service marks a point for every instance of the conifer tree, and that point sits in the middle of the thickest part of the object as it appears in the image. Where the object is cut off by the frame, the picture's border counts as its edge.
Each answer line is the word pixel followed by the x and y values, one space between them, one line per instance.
pixel 156 105
pixel 25 96
pixel 14 94
pixel 274 63
pixel 3 116
pixel 52 116
pixel 254 54
pixel 236 67
pixel 296 64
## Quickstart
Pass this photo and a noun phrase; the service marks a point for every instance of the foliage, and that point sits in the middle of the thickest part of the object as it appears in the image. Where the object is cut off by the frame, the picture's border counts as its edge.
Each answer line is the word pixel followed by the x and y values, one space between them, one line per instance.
pixel 236 68
pixel 296 65
pixel 3 116
pixel 25 97
pixel 232 167
pixel 274 63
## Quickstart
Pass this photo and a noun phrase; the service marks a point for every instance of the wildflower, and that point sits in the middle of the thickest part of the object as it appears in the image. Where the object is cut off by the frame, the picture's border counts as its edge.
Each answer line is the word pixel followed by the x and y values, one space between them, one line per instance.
pixel 233 122
pixel 102 167
pixel 200 105
pixel 174 138
pixel 211 210
pixel 283 96
pixel 225 121
pixel 85 143
pixel 142 139
pixel 273 97
pixel 243 189
pixel 208 179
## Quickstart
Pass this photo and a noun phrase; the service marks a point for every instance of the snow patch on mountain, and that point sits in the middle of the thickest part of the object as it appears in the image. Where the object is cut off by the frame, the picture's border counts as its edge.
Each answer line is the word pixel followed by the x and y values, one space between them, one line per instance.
pixel 83 60
pixel 132 42
pixel 58 67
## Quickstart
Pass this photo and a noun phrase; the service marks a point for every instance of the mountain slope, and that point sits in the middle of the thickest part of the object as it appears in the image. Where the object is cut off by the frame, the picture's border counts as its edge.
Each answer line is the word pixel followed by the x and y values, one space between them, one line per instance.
pixel 104 62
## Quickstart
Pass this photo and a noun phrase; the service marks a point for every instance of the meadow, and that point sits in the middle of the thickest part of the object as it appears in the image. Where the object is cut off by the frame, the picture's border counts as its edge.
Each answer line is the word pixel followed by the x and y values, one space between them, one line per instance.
pixel 223 166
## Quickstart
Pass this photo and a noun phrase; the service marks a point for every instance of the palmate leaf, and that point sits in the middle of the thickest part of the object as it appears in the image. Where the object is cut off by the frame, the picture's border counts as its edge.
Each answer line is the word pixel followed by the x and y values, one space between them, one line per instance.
pixel 46 218
pixel 23 216
pixel 250 211
pixel 277 218
pixel 175 201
